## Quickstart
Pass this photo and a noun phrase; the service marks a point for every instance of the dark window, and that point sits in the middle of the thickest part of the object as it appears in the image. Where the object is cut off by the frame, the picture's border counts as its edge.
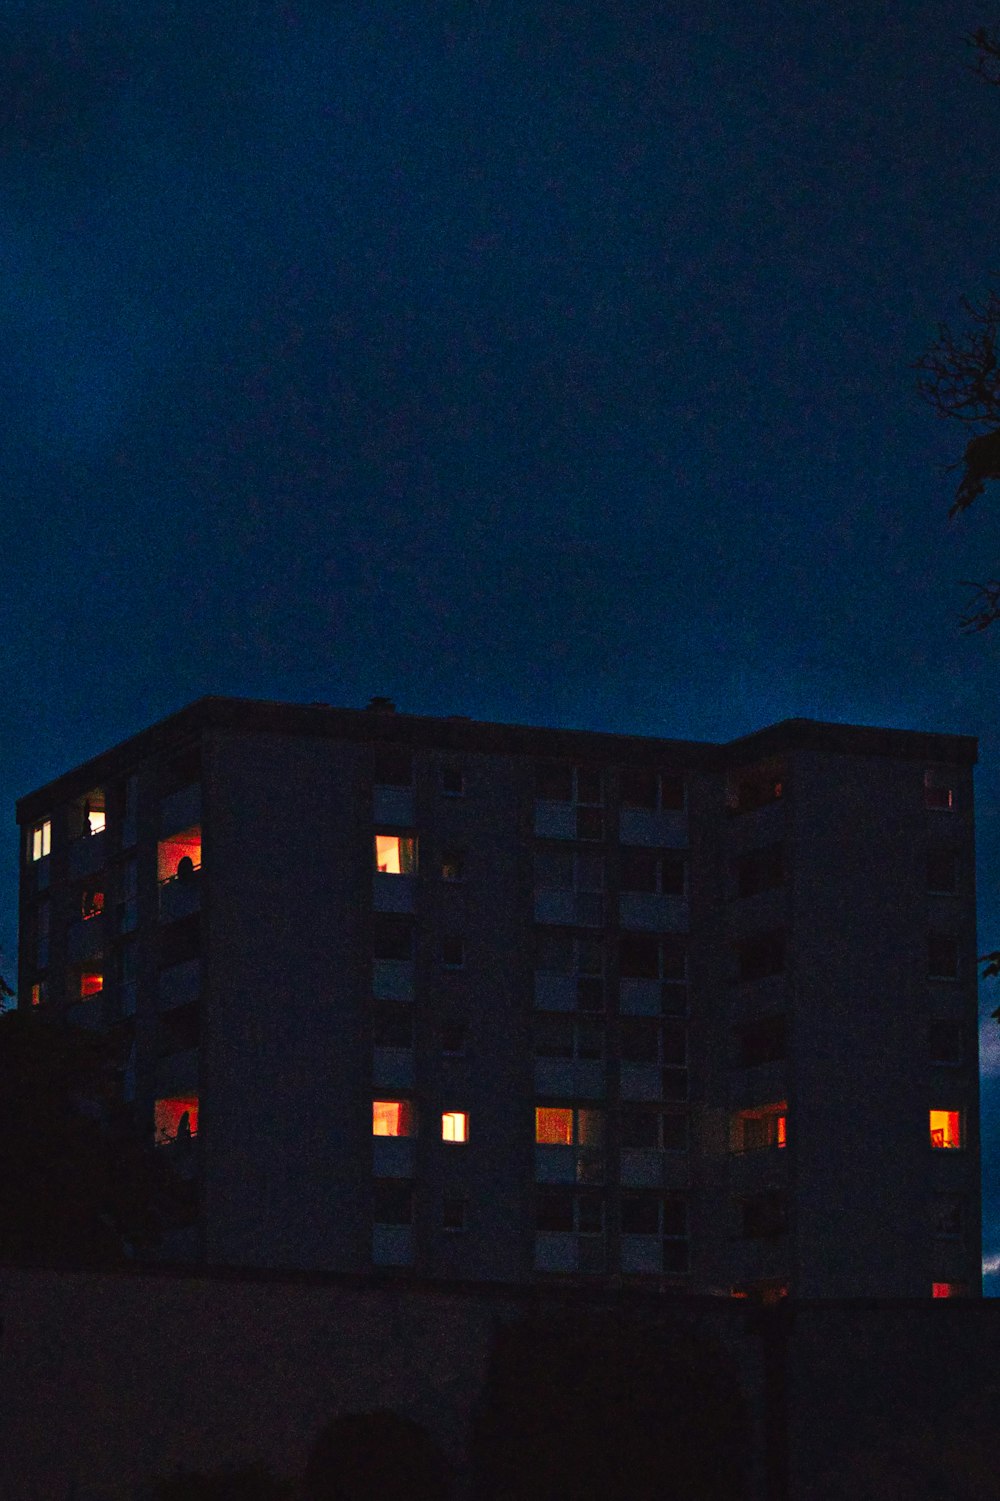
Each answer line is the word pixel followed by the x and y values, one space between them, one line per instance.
pixel 945 1042
pixel 640 1130
pixel 763 1041
pixel 589 956
pixel 640 1040
pixel 642 788
pixel 590 995
pixel 639 787
pixel 180 1029
pixel 554 1037
pixel 392 937
pixel 761 955
pixel 639 870
pixel 674 1046
pixel 393 1201
pixel 452 780
pixel 639 957
pixel 180 771
pixel 760 870
pixel 942 956
pixel 554 1209
pixel 755 788
pixel 942 870
pixel 181 940
pixel 653 1130
pixel 554 783
pixel 589 786
pixel 453 1037
pixel 589 1213
pixel 674 1084
pixel 392 1026
pixel 453 953
pixel 938 790
pixel 675 1216
pixel 673 959
pixel 453 865
pixel 673 876
pixel 763 1216
pixel 949 1216
pixel 675 1256
pixel 590 823
pixel 392 766
pixel 554 952
pixel 640 1214
pixel 453 1208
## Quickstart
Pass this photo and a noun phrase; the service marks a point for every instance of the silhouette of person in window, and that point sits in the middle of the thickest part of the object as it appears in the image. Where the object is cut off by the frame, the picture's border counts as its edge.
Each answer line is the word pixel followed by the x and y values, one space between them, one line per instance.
pixel 185 868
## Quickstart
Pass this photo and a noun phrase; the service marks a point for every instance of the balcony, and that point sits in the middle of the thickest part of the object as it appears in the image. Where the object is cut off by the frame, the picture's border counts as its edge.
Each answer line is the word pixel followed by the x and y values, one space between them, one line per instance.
pixel 392 805
pixel 555 820
pixel 85 940
pixel 583 1077
pixel 665 829
pixel 653 912
pixel 179 985
pixel 392 893
pixel 392 1068
pixel 568 1164
pixel 392 1245
pixel 87 853
pixel 180 895
pixel 392 1156
pixel 640 997
pixel 392 979
pixel 555 992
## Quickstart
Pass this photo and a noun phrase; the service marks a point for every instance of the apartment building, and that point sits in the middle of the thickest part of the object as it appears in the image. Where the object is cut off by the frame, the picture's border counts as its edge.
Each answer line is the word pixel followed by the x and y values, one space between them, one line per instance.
pixel 475 1001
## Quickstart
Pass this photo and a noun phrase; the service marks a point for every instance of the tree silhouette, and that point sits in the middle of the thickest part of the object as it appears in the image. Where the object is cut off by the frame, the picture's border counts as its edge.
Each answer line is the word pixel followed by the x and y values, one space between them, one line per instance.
pixel 79 1184
pixel 959 378
pixel 364 1455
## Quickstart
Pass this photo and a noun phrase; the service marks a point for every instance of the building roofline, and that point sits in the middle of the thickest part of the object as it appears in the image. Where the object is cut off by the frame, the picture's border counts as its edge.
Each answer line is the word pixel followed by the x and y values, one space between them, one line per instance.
pixel 458 733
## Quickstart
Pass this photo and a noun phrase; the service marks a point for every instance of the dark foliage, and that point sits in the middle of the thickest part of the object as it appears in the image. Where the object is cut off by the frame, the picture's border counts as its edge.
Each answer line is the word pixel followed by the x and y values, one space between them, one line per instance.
pixel 372 1454
pixel 79 1186
pixel 593 1407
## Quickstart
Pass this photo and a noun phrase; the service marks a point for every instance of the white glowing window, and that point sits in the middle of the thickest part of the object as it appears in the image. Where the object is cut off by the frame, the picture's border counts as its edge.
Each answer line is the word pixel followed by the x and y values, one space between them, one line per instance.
pixel 454 1126
pixel 395 854
pixel 41 840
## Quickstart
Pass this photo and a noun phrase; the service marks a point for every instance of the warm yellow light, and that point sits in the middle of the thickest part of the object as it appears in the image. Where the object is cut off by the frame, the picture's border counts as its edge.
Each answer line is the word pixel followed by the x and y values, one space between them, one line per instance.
pixel 173 850
pixel 392 1118
pixel 553 1126
pixel 91 983
pixel 97 820
pixel 454 1126
pixel 395 854
pixel 946 1129
pixel 41 840
pixel 782 1130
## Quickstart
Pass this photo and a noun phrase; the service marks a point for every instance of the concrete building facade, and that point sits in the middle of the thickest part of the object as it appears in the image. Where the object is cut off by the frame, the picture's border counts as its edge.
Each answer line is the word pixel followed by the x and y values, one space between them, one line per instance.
pixel 472 1001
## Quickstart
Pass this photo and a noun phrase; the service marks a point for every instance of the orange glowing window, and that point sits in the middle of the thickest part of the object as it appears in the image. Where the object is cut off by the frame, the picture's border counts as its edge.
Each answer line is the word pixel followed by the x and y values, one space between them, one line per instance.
pixel 392 1118
pixel 41 840
pixel 185 846
pixel 553 1127
pixel 395 854
pixel 454 1126
pixel 946 1129
pixel 176 1116
pixel 91 904
pixel 949 1290
pixel 37 993
pixel 91 983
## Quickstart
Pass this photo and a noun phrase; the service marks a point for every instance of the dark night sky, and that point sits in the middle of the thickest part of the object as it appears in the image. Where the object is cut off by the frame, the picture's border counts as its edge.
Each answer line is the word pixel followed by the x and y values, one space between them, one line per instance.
pixel 545 363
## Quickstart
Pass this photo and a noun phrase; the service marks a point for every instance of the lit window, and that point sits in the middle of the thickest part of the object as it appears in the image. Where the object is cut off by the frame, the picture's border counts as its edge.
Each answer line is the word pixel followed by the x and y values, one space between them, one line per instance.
pixel 91 904
pixel 454 1126
pixel 91 983
pixel 553 1127
pixel 179 856
pixel 175 1117
pixel 766 1126
pixel 395 854
pixel 392 1118
pixel 558 1126
pixel 946 1129
pixel 87 815
pixel 949 1290
pixel 38 993
pixel 41 840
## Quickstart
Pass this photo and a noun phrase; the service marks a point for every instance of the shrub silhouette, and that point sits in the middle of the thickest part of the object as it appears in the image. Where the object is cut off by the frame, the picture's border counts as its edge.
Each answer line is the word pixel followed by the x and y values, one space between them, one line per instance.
pixel 365 1455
